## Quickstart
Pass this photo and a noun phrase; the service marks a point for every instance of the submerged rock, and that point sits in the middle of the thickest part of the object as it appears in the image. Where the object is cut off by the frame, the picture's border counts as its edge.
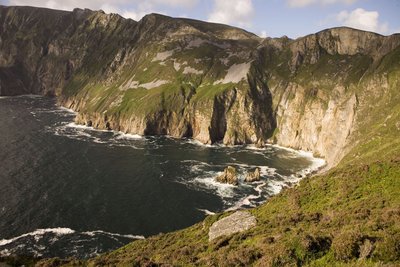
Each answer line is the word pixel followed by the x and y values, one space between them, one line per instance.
pixel 253 176
pixel 228 177
pixel 237 222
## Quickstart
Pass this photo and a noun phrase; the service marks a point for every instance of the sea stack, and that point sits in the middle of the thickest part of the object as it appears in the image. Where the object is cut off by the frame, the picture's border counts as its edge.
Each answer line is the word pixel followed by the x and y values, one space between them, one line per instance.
pixel 228 177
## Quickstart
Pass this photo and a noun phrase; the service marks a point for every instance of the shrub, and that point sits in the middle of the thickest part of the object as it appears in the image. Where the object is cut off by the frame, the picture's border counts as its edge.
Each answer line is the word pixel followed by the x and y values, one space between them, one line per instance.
pixel 388 248
pixel 346 245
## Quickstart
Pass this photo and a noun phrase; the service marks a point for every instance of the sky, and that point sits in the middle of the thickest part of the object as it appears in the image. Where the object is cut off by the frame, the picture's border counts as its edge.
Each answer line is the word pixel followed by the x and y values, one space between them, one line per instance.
pixel 272 18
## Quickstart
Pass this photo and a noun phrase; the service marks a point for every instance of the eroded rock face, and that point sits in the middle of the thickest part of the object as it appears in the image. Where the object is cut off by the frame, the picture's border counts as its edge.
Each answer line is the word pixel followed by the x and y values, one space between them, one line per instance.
pixel 228 177
pixel 253 176
pixel 239 221
pixel 185 78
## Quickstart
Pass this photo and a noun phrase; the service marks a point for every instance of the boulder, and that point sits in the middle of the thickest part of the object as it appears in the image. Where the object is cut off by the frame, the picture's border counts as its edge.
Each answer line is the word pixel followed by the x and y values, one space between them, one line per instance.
pixel 236 222
pixel 228 177
pixel 253 176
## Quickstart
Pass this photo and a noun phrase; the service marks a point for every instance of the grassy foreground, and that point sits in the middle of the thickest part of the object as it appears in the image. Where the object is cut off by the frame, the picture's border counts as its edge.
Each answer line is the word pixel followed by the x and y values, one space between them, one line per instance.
pixel 347 217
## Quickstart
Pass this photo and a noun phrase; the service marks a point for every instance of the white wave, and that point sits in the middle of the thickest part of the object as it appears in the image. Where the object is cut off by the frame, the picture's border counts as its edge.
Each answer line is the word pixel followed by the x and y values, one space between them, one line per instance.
pixel 122 135
pixel 223 190
pixel 267 171
pixel 198 143
pixel 93 233
pixel 316 163
pixel 276 186
pixel 37 234
pixel 196 162
pixel 67 110
pixel 256 148
pixel 207 212
pixel 247 200
pixel 79 126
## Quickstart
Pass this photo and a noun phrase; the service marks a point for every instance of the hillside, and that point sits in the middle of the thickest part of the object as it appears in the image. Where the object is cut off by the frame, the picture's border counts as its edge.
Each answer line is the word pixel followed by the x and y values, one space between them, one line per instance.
pixel 335 93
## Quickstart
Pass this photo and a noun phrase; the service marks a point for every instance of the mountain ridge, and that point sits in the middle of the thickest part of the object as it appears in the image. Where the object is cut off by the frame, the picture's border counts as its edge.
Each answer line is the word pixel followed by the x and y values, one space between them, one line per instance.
pixel 207 64
pixel 335 93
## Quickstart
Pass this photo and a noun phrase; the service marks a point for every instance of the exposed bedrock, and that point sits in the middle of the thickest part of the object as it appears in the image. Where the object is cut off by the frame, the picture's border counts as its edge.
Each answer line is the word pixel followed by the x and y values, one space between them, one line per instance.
pixel 187 78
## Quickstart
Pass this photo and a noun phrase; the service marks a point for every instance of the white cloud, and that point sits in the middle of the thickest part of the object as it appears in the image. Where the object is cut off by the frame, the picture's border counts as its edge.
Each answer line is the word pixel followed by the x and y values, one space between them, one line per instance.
pixel 263 34
pixel 362 19
pixel 303 3
pixel 176 3
pixel 237 12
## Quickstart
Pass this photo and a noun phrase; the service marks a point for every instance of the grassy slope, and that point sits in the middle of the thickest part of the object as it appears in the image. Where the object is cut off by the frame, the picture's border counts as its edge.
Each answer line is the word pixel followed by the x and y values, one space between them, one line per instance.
pixel 346 217
pixel 326 220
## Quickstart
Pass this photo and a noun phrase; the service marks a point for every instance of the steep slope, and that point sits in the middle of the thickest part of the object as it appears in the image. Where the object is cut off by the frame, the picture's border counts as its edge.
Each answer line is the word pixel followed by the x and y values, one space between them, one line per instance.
pixel 188 78
pixel 346 217
pixel 335 93
pixel 40 49
pixel 179 79
pixel 321 86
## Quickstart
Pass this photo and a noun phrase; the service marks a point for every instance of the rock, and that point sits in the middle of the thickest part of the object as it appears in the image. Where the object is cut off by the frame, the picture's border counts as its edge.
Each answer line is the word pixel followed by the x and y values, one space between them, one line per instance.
pixel 253 176
pixel 366 249
pixel 237 222
pixel 261 105
pixel 228 177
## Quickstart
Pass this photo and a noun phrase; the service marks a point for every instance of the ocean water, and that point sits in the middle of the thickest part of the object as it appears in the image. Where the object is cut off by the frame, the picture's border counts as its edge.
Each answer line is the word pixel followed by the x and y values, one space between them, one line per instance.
pixel 70 190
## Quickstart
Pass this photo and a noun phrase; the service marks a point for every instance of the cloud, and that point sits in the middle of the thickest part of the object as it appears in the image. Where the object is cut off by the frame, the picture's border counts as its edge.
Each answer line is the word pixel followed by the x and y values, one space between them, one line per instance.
pixel 238 12
pixel 362 19
pixel 134 9
pixel 263 34
pixel 303 3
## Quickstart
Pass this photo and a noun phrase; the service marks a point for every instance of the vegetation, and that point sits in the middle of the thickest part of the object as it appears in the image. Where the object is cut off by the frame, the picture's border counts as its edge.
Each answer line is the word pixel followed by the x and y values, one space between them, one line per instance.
pixel 348 216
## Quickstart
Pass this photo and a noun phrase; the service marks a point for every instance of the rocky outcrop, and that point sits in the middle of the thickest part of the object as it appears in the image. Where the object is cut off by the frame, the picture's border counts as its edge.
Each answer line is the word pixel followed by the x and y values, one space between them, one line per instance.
pixel 318 99
pixel 253 176
pixel 229 176
pixel 187 78
pixel 239 221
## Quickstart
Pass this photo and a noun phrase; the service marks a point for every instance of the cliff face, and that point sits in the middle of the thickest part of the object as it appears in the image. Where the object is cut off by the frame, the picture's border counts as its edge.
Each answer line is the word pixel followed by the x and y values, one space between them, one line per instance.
pixel 187 78
pixel 321 85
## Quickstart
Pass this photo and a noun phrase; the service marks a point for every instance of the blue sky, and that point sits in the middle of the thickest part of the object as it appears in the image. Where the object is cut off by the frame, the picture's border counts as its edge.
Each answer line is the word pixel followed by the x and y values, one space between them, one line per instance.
pixel 273 18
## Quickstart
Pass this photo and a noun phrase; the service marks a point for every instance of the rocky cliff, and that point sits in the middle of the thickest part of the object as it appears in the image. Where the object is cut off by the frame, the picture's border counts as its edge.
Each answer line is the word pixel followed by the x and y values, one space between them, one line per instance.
pixel 187 78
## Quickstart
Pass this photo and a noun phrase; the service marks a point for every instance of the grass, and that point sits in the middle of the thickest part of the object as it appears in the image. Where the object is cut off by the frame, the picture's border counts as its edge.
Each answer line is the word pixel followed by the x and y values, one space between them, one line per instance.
pixel 345 217
pixel 348 216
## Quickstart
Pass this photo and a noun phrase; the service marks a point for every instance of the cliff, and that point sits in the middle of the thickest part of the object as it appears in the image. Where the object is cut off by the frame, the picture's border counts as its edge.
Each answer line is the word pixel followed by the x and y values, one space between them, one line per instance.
pixel 187 78
pixel 335 93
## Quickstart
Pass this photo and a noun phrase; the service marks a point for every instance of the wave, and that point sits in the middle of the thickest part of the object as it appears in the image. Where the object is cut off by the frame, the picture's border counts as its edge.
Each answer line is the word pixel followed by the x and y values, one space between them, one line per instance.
pixel 225 191
pixel 200 144
pixel 93 233
pixel 247 201
pixel 68 242
pixel 207 212
pixel 85 127
pixel 37 233
pixel 67 110
pixel 121 135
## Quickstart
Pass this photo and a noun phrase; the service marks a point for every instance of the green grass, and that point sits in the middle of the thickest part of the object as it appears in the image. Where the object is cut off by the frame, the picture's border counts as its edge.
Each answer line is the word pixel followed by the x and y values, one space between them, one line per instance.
pixel 325 221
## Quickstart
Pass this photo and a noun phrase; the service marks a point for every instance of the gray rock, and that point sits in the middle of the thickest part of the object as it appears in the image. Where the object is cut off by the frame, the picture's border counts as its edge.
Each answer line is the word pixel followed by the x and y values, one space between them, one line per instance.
pixel 237 222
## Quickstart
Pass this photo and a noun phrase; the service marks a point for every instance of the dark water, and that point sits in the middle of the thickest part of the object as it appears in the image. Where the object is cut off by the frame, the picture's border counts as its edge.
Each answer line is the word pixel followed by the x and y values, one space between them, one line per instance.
pixel 67 190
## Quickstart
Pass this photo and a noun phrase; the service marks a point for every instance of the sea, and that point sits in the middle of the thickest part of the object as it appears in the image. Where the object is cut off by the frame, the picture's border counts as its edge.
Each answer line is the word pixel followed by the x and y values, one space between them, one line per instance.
pixel 68 190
